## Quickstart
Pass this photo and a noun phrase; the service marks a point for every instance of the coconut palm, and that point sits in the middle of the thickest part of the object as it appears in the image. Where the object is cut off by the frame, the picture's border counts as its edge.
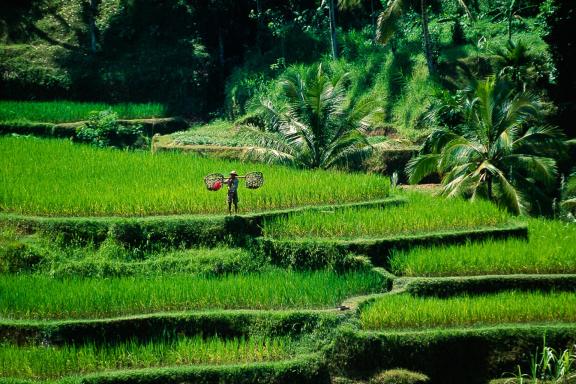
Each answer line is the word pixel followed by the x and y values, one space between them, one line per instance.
pixel 388 23
pixel 316 128
pixel 497 151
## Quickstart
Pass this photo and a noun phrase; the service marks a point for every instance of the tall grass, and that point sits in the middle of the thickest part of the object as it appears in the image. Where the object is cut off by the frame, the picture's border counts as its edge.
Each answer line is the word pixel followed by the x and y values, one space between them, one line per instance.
pixel 39 297
pixel 550 249
pixel 39 362
pixel 113 260
pixel 404 311
pixel 52 177
pixel 423 213
pixel 67 111
pixel 218 132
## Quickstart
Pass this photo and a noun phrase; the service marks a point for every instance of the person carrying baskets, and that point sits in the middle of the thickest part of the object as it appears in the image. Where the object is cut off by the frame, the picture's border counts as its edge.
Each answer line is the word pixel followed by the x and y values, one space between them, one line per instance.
pixel 232 183
pixel 214 182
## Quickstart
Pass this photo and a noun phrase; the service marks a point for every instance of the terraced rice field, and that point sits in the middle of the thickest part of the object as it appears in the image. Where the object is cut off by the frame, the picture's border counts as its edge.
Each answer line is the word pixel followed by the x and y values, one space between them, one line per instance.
pixel 422 214
pixel 58 178
pixel 53 362
pixel 550 249
pixel 68 111
pixel 403 311
pixel 42 297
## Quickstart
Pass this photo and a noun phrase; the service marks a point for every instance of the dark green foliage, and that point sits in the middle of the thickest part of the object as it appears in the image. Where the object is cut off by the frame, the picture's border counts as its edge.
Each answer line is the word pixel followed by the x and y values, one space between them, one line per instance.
pixel 36 129
pixel 447 356
pixel 560 16
pixel 398 376
pixel 17 257
pixel 103 130
pixel 458 36
pixel 310 255
pixel 478 285
pixel 306 370
pixel 225 324
pixel 290 253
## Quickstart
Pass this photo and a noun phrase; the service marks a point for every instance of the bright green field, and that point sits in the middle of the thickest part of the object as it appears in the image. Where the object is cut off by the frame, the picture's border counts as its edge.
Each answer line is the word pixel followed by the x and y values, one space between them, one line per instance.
pixel 40 362
pixel 67 111
pixel 551 249
pixel 423 213
pixel 39 297
pixel 53 177
pixel 404 311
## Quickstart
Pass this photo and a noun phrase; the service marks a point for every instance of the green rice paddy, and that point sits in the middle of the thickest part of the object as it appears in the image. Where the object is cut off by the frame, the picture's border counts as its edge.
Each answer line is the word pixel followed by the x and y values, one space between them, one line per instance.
pixel 407 312
pixel 422 214
pixel 68 111
pixel 52 362
pixel 41 297
pixel 550 249
pixel 58 178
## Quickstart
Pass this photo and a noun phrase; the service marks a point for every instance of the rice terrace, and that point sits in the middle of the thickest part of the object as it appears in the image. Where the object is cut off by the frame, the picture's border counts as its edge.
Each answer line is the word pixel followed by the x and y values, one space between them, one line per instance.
pixel 276 192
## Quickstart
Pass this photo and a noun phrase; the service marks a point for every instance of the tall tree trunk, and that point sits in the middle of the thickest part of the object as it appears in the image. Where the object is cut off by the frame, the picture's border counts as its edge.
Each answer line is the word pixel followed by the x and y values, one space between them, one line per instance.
pixel 332 12
pixel 426 42
pixel 92 24
pixel 259 27
pixel 220 48
pixel 373 18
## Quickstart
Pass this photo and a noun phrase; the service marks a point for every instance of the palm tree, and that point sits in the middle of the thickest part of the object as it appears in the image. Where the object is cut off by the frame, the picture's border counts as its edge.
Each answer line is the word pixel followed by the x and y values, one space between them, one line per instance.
pixel 497 151
pixel 316 128
pixel 388 22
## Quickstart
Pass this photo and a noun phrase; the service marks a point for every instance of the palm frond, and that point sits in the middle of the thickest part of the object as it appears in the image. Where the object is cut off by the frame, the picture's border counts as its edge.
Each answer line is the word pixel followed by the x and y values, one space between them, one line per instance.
pixel 540 139
pixel 349 4
pixel 388 20
pixel 569 204
pixel 510 196
pixel 421 166
pixel 350 144
pixel 270 140
pixel 465 8
pixel 460 181
pixel 541 169
pixel 459 151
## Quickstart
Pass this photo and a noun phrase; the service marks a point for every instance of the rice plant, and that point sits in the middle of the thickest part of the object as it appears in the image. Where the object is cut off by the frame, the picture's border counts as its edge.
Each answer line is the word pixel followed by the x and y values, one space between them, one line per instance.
pixel 546 366
pixel 407 312
pixel 550 249
pixel 52 362
pixel 62 111
pixel 40 297
pixel 58 178
pixel 423 213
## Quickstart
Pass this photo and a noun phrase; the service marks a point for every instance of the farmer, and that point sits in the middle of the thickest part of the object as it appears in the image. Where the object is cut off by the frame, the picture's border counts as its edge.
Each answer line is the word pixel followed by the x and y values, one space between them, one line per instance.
pixel 232 183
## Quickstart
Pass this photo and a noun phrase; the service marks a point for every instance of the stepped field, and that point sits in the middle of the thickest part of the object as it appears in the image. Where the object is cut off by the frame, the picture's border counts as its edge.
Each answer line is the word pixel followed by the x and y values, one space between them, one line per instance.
pixel 58 178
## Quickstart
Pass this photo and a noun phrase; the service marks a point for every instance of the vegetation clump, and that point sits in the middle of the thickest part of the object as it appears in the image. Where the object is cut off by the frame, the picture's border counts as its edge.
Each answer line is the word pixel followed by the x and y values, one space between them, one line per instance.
pixel 406 312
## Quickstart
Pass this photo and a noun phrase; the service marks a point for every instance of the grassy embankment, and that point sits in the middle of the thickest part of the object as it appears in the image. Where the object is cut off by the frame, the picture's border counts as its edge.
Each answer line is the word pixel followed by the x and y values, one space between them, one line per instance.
pixel 41 362
pixel 422 214
pixel 62 111
pixel 407 312
pixel 550 249
pixel 86 181
pixel 40 297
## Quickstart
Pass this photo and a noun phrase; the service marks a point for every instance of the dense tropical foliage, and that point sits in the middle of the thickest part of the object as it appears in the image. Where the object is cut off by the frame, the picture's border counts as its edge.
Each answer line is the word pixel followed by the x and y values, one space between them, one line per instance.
pixel 316 127
pixel 499 149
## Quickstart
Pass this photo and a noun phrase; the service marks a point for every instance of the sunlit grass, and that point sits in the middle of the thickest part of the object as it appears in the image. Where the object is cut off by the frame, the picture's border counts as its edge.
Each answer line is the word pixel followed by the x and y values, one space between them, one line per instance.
pixel 550 249
pixel 40 362
pixel 39 297
pixel 52 177
pixel 67 111
pixel 404 311
pixel 422 213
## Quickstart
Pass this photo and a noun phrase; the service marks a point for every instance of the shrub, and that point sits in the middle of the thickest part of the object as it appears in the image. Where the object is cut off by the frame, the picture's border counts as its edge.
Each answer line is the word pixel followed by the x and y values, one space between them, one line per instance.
pixel 102 129
pixel 399 376
pixel 18 257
